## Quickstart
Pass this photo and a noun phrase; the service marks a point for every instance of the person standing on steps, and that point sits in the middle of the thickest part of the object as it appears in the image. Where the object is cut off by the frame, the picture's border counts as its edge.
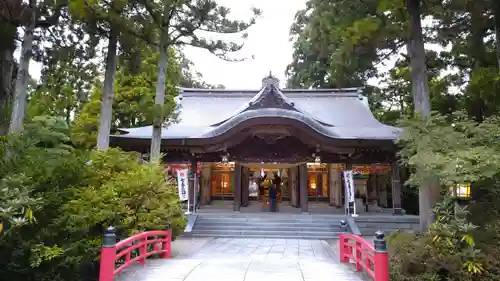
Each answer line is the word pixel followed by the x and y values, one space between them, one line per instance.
pixel 272 197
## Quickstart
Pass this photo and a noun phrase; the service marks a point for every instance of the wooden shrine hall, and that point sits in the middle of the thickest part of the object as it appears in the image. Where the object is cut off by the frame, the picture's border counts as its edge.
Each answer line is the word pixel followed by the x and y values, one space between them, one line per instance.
pixel 305 137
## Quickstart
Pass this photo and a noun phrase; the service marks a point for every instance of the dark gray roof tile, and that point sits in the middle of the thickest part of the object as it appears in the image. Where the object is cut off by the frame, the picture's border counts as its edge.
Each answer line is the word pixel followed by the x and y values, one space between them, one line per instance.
pixel 346 110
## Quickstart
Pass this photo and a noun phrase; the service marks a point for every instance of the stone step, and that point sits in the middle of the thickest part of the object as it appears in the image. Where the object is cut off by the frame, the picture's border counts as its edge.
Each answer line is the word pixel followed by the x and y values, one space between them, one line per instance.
pixel 388 219
pixel 264 223
pixel 269 227
pixel 277 232
pixel 267 236
pixel 269 215
pixel 386 225
pixel 250 219
pixel 386 228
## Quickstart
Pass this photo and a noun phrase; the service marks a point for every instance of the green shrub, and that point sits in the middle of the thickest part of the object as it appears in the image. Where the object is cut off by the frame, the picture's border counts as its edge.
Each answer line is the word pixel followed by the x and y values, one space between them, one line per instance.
pixel 78 194
pixel 134 197
pixel 446 252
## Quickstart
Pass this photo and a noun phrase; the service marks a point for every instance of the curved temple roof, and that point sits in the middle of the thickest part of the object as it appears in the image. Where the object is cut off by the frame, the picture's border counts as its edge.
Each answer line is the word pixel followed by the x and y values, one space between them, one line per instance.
pixel 335 113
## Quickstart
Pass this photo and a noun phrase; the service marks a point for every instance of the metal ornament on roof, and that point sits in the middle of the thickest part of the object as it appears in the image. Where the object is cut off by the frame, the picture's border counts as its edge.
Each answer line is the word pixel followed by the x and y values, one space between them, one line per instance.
pixel 225 159
pixel 270 80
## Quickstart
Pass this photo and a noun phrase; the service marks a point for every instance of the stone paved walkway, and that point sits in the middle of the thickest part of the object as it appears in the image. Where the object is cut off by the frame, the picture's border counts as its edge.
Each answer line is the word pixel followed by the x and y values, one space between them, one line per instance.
pixel 246 260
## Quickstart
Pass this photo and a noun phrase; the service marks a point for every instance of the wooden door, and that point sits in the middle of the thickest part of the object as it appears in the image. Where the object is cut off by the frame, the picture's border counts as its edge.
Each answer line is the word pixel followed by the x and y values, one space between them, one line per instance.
pixel 221 185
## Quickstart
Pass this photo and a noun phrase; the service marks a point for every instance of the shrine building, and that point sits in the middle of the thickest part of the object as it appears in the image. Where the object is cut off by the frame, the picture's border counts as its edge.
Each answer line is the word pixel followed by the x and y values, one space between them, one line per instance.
pixel 306 137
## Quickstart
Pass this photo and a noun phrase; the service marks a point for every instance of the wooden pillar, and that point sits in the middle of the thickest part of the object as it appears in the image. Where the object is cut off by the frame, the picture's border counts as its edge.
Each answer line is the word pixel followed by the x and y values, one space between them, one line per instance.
pixel 374 189
pixel 335 185
pixel 192 175
pixel 396 190
pixel 206 183
pixel 292 182
pixel 382 189
pixel 245 185
pixel 303 188
pixel 237 186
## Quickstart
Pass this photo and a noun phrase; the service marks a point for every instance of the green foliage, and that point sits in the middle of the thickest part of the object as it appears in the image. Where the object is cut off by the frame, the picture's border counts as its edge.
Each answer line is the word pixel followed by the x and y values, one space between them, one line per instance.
pixel 188 17
pixel 134 93
pixel 323 55
pixel 446 252
pixel 453 149
pixel 65 87
pixel 134 200
pixel 74 196
pixel 133 103
pixel 452 236
pixel 84 128
pixel 16 208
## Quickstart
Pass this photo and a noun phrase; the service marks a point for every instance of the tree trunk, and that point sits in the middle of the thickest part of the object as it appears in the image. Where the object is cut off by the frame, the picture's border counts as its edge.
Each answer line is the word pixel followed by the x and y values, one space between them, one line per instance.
pixel 160 89
pixel 108 91
pixel 421 99
pixel 22 78
pixel 496 14
pixel 6 85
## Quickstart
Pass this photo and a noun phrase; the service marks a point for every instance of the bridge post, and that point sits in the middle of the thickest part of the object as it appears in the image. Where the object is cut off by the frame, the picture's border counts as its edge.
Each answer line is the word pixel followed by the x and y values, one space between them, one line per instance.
pixel 108 255
pixel 343 242
pixel 381 257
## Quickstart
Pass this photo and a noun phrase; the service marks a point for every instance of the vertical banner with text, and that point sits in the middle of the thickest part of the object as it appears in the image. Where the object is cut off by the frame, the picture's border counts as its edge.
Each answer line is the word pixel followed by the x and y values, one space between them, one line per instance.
pixel 349 186
pixel 182 182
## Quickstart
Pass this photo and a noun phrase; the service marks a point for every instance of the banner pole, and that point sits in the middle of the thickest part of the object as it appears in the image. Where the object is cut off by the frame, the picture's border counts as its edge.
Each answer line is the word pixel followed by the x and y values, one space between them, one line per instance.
pixel 195 183
pixel 188 196
pixel 346 196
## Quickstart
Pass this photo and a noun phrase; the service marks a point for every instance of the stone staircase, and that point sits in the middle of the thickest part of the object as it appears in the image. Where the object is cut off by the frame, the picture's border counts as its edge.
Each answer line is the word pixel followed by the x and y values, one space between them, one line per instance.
pixel 266 225
pixel 368 225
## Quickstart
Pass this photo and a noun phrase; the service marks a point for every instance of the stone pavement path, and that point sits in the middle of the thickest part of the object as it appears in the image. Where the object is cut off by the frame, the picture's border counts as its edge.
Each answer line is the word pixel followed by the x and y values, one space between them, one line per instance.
pixel 224 259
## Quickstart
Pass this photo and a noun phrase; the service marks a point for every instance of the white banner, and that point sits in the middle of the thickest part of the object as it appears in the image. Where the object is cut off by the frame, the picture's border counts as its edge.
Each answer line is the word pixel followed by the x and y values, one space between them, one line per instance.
pixel 182 183
pixel 349 185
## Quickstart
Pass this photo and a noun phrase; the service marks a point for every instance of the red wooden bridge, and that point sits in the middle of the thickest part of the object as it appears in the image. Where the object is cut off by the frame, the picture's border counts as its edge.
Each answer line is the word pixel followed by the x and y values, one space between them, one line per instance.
pixel 353 250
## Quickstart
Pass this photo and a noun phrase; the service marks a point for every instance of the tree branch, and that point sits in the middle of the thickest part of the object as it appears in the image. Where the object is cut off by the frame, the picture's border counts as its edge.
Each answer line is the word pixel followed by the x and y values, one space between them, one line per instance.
pixel 54 19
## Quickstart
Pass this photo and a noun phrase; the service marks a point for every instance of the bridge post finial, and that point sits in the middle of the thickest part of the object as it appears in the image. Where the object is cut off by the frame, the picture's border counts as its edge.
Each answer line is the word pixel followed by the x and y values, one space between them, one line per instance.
pixel 343 225
pixel 380 258
pixel 379 243
pixel 108 255
pixel 109 237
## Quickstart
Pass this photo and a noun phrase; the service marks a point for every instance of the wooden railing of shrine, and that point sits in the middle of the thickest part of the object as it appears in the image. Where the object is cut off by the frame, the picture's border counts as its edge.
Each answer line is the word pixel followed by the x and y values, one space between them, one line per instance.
pixel 115 257
pixel 372 259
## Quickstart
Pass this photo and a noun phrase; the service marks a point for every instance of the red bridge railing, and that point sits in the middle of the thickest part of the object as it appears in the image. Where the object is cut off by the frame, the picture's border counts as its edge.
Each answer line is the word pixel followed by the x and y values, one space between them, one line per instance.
pixel 117 256
pixel 373 259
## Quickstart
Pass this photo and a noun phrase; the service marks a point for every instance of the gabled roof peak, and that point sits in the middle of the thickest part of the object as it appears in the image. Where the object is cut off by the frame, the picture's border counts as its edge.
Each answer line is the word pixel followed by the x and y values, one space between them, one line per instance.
pixel 270 97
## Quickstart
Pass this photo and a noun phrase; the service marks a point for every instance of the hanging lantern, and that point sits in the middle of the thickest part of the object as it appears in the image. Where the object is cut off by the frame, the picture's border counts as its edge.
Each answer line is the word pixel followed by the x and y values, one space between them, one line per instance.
pixel 256 175
pixel 317 160
pixel 284 174
pixel 270 176
pixel 262 174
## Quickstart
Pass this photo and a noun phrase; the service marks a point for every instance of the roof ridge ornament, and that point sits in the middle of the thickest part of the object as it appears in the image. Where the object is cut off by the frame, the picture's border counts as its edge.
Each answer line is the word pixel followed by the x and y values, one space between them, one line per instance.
pixel 270 80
